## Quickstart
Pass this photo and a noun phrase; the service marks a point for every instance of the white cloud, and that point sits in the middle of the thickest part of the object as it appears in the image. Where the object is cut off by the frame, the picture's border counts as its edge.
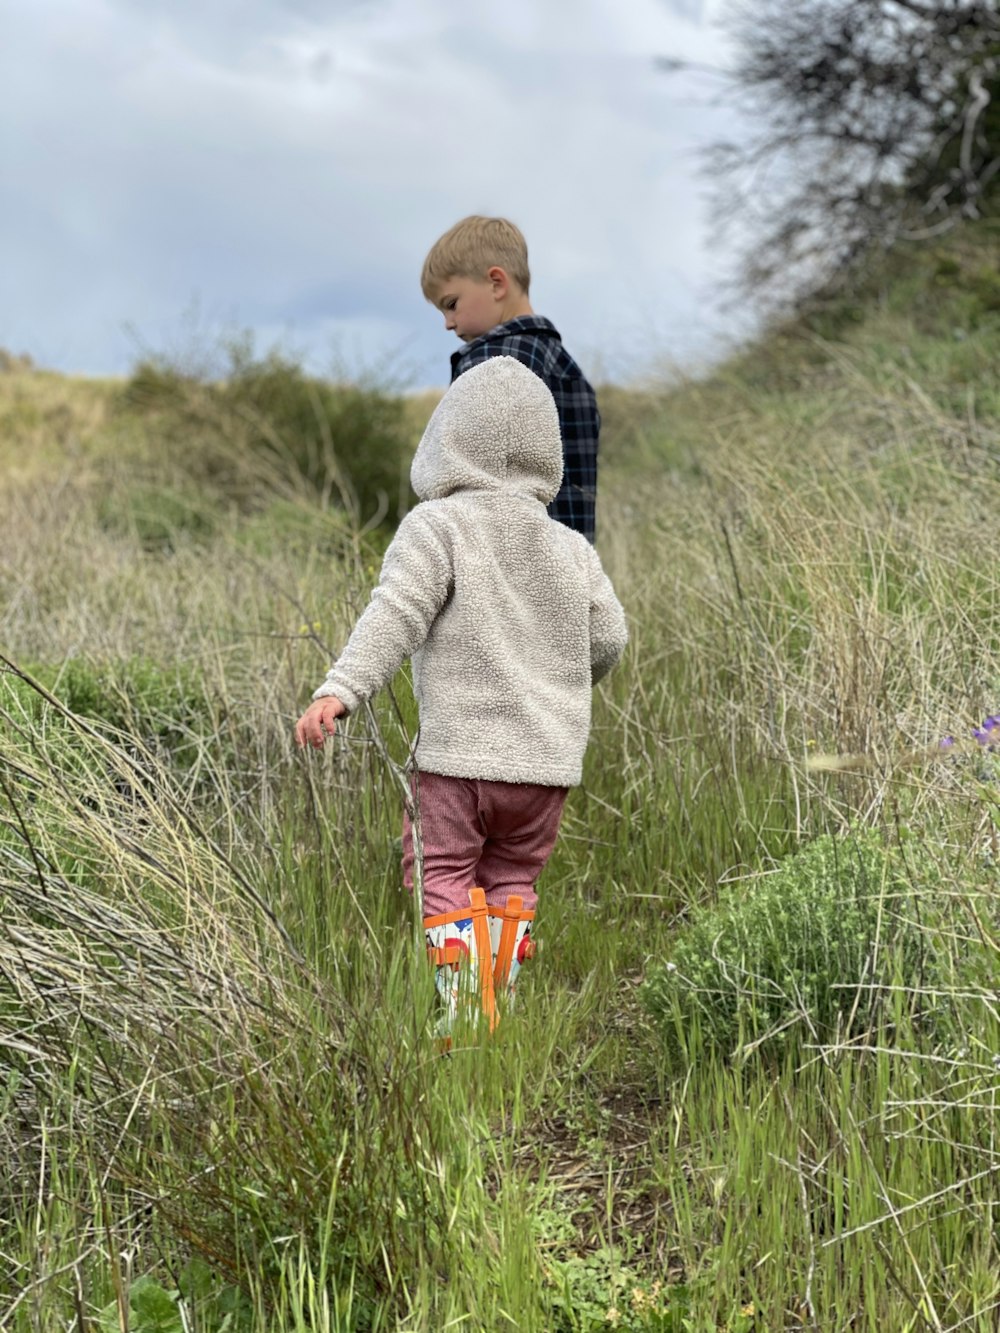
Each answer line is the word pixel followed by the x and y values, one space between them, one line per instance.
pixel 289 170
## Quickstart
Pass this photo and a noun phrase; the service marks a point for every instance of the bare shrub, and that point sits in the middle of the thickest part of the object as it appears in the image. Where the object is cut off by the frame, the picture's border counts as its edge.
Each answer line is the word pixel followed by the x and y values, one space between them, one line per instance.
pixel 868 122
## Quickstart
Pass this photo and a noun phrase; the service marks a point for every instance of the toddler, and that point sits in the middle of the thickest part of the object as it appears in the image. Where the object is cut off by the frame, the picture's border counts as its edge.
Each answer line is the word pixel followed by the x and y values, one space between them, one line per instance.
pixel 509 620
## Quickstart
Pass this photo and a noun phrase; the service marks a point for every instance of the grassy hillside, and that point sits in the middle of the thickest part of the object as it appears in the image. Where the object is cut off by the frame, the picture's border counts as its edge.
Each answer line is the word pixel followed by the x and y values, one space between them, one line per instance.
pixel 751 1082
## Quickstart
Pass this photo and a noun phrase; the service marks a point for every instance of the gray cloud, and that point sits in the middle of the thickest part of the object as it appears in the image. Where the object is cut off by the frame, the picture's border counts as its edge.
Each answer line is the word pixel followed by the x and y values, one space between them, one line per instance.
pixel 288 170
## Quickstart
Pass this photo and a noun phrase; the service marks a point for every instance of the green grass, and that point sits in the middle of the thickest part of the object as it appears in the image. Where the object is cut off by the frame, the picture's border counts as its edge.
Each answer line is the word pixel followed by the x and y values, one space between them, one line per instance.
pixel 219 1104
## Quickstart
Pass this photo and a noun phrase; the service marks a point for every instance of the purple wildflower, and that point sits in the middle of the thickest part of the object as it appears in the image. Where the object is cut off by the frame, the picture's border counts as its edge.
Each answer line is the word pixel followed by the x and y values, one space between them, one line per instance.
pixel 984 734
pixel 987 734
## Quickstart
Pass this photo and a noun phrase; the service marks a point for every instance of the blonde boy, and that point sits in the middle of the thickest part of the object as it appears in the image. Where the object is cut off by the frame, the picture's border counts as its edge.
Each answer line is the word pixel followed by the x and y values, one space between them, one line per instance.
pixel 477 275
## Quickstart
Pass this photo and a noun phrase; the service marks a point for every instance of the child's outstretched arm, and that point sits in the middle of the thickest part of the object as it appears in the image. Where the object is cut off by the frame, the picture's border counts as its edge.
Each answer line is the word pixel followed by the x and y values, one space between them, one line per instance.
pixel 413 586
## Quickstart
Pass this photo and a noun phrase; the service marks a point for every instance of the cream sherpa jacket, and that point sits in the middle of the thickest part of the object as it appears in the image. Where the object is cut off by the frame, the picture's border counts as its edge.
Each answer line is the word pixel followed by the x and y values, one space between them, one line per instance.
pixel 507 614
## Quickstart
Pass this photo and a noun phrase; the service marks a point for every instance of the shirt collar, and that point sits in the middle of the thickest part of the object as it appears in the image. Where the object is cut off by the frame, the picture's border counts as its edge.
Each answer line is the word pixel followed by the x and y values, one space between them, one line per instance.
pixel 520 324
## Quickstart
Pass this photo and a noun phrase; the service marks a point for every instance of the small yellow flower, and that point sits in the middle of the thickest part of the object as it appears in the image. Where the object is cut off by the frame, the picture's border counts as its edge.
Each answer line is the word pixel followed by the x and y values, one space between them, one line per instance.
pixel 749 1310
pixel 613 1317
pixel 638 1298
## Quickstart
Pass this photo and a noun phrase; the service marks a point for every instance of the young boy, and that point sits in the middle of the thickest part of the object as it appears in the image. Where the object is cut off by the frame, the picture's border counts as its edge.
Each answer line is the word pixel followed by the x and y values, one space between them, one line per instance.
pixel 509 620
pixel 477 276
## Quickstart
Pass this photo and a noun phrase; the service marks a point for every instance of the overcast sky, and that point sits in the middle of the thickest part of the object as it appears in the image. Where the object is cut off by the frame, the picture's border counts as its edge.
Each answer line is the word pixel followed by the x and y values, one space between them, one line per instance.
pixel 170 169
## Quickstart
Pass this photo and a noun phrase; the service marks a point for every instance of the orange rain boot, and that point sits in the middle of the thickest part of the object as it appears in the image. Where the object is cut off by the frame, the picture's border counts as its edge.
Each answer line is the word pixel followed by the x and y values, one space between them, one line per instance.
pixel 510 931
pixel 458 944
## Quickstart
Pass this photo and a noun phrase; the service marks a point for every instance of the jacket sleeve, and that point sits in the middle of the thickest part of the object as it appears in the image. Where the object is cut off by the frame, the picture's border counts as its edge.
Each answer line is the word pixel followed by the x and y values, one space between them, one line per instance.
pixel 608 631
pixel 415 582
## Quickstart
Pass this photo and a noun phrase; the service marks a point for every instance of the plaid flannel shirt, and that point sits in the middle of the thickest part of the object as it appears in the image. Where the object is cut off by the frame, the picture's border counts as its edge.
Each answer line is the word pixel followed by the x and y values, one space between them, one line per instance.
pixel 535 342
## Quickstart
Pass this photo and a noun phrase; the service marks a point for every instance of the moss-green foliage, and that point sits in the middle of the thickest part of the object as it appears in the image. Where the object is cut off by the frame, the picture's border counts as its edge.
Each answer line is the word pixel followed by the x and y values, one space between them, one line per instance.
pixel 165 707
pixel 790 949
pixel 154 1308
pixel 603 1289
pixel 351 442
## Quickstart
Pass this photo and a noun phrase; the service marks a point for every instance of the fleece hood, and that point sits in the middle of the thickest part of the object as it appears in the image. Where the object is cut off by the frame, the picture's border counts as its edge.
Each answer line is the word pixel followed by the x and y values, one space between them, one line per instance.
pixel 495 429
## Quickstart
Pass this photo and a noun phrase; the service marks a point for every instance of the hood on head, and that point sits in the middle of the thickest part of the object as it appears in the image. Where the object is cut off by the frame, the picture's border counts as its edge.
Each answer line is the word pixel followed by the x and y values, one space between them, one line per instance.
pixel 496 429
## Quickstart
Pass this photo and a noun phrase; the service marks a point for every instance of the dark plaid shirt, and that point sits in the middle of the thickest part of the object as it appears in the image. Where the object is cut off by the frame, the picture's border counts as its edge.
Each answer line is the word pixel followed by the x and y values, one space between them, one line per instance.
pixel 536 343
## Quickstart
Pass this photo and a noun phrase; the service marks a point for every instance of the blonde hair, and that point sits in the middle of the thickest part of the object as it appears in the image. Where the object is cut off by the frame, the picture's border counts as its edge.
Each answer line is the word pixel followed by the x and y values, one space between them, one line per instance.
pixel 471 248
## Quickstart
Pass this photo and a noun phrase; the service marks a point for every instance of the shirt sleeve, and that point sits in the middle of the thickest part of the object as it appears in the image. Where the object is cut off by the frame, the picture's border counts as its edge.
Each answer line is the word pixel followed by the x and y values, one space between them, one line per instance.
pixel 415 582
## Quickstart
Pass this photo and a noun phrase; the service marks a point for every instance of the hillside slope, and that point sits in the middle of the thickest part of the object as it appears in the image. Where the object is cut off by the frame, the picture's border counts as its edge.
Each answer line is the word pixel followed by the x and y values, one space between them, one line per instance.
pixel 807 547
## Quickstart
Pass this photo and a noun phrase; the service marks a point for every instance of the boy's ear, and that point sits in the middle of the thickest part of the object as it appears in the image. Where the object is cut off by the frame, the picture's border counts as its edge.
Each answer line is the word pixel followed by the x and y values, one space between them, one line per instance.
pixel 500 282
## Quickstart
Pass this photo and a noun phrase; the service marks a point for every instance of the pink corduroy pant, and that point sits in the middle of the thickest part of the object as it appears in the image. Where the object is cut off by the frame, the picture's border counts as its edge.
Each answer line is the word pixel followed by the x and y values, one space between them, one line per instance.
pixel 495 836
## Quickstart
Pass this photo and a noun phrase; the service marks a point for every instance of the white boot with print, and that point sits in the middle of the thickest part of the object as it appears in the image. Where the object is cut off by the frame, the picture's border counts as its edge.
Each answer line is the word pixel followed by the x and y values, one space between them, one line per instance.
pixel 458 945
pixel 512 945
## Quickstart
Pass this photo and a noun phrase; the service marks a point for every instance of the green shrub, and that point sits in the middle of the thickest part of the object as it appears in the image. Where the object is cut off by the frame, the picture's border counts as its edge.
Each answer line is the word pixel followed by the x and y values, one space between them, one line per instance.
pixel 811 946
pixel 165 707
pixel 351 443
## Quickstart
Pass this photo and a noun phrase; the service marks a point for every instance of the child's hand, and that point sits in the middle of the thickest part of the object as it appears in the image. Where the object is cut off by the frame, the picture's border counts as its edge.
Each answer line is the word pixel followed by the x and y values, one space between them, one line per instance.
pixel 318 721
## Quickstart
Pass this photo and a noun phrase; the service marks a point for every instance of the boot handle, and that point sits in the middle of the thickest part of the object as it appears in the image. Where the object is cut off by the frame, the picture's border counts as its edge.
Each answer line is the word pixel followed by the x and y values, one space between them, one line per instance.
pixel 481 934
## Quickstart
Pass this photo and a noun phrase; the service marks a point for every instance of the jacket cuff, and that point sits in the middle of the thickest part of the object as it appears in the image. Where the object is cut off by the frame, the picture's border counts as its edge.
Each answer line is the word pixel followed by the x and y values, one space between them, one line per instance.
pixel 351 701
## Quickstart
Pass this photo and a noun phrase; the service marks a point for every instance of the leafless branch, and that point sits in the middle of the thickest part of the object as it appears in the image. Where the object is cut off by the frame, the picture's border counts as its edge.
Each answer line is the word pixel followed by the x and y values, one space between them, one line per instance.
pixel 869 122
